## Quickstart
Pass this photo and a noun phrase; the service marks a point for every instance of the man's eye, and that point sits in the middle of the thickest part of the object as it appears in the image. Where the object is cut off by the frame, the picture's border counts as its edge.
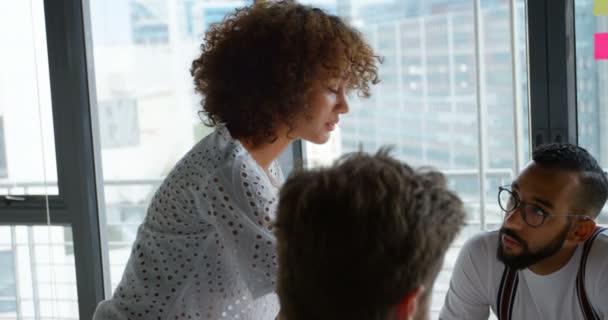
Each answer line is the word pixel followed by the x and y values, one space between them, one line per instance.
pixel 538 211
pixel 332 89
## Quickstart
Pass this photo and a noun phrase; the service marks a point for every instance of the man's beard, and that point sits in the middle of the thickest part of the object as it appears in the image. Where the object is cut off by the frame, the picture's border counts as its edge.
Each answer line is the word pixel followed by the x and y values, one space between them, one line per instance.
pixel 527 258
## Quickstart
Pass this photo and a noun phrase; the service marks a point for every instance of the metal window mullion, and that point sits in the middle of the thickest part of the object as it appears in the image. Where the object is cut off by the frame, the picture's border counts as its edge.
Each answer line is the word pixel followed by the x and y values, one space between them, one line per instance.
pixel 602 77
pixel 299 154
pixel 561 71
pixel 68 70
pixel 425 91
pixel 481 111
pixel 97 156
pixel 33 216
pixel 32 211
pixel 538 75
pixel 378 97
pixel 452 81
pixel 16 273
pixel 571 81
pixel 400 72
pixel 32 202
pixel 35 289
pixel 515 79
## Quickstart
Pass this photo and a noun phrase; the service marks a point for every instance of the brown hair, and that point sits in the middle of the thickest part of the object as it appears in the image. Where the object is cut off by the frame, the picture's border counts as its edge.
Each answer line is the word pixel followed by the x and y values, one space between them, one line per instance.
pixel 257 67
pixel 355 238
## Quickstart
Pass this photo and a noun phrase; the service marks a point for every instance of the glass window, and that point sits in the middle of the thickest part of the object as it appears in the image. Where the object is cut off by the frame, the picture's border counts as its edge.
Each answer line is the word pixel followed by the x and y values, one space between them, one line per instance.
pixel 119 118
pixel 430 105
pixel 27 143
pixel 8 285
pixel 38 278
pixel 592 86
pixel 3 166
pixel 146 107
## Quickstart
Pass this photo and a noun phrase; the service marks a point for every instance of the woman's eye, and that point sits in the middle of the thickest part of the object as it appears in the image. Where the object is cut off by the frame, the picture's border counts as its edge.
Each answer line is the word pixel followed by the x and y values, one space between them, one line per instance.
pixel 333 90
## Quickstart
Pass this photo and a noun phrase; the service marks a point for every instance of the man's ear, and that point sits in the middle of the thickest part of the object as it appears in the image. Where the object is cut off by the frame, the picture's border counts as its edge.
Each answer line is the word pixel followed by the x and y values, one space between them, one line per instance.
pixel 407 307
pixel 583 229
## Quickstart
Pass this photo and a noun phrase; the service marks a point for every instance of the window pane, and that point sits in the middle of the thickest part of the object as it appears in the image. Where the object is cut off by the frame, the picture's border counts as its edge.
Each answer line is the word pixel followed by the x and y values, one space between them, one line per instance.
pixel 592 86
pixel 146 108
pixel 27 143
pixel 38 278
pixel 427 104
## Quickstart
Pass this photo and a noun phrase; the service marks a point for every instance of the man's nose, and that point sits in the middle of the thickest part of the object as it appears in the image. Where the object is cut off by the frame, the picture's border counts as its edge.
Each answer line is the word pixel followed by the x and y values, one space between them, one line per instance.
pixel 514 219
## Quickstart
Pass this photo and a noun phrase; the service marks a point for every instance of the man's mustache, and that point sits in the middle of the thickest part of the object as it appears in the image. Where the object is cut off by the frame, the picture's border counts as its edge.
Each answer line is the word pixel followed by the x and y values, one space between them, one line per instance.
pixel 512 234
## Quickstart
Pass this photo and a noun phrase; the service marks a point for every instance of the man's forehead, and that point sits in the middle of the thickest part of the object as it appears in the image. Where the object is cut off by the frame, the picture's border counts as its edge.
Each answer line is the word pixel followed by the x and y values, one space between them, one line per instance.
pixel 546 181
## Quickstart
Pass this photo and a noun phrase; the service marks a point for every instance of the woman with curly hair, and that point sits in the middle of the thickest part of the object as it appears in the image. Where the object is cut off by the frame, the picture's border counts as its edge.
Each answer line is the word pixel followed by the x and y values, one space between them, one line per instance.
pixel 268 74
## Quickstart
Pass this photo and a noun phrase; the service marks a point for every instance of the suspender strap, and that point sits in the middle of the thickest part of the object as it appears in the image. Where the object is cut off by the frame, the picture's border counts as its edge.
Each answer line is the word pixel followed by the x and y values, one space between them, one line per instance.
pixel 506 293
pixel 587 308
pixel 509 281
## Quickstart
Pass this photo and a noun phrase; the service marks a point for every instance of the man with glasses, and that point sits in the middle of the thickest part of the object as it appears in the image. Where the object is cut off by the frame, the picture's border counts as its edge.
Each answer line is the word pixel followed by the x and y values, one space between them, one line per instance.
pixel 549 260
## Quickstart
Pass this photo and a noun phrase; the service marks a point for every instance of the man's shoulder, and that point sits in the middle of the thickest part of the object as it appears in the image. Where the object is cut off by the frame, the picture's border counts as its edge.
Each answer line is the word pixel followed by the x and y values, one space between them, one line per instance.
pixel 477 271
pixel 599 247
pixel 595 274
pixel 480 250
pixel 484 242
pixel 603 235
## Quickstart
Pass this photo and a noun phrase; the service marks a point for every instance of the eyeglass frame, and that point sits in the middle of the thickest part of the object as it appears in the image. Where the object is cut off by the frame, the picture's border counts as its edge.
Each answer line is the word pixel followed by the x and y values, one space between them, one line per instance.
pixel 524 213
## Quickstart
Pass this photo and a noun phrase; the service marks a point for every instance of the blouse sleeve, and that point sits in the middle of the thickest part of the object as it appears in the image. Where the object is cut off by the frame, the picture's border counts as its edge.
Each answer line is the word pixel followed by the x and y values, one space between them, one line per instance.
pixel 242 207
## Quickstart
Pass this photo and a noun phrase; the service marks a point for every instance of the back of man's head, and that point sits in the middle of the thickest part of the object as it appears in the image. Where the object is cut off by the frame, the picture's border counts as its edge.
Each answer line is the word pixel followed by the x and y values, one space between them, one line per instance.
pixel 356 239
pixel 593 191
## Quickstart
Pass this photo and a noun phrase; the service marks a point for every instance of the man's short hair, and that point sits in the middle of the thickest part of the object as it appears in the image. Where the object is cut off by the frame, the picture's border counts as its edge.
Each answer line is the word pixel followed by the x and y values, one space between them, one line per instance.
pixel 353 239
pixel 594 185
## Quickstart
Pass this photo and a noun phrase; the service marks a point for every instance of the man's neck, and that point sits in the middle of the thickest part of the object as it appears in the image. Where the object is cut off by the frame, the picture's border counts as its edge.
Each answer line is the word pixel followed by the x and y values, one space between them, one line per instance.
pixel 554 262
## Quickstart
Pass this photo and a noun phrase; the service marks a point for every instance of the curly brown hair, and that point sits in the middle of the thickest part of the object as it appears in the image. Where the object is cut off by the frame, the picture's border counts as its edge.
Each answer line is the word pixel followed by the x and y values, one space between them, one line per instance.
pixel 257 66
pixel 354 239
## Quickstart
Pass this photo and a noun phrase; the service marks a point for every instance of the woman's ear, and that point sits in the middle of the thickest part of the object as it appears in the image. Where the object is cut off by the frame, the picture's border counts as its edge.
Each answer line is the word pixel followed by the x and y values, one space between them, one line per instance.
pixel 407 307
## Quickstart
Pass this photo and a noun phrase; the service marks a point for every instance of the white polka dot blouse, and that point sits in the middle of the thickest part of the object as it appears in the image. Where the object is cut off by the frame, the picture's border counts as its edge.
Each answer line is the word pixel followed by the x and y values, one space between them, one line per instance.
pixel 205 249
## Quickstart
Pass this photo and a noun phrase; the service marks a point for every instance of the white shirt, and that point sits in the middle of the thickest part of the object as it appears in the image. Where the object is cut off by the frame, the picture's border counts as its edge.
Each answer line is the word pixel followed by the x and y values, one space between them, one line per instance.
pixel 205 249
pixel 477 275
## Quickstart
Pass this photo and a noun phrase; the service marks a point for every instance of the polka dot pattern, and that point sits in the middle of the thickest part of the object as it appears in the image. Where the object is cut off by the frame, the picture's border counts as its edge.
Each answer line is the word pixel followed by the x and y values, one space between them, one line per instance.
pixel 205 249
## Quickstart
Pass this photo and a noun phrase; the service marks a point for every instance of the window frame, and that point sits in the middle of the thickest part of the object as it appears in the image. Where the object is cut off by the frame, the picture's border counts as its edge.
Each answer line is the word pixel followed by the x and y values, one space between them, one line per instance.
pixel 552 71
pixel 76 204
pixel 552 101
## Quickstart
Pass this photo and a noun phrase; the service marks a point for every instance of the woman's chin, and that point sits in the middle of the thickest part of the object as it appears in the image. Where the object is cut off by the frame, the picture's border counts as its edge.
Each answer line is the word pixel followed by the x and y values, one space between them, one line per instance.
pixel 321 139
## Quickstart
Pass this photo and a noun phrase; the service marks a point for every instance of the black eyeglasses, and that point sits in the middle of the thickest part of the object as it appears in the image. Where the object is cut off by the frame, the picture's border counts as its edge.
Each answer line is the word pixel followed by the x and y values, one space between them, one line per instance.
pixel 532 214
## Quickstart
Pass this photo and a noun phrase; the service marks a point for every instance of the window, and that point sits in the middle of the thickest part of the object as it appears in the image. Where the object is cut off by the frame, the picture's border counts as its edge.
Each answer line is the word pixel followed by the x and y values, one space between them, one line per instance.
pixel 592 86
pixel 3 168
pixel 446 99
pixel 439 79
pixel 120 123
pixel 27 143
pixel 146 106
pixel 148 24
pixel 8 287
pixel 38 273
pixel 37 262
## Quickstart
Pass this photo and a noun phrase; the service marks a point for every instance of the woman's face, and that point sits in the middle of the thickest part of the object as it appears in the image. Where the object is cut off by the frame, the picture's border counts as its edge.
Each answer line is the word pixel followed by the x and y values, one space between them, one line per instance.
pixel 326 102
